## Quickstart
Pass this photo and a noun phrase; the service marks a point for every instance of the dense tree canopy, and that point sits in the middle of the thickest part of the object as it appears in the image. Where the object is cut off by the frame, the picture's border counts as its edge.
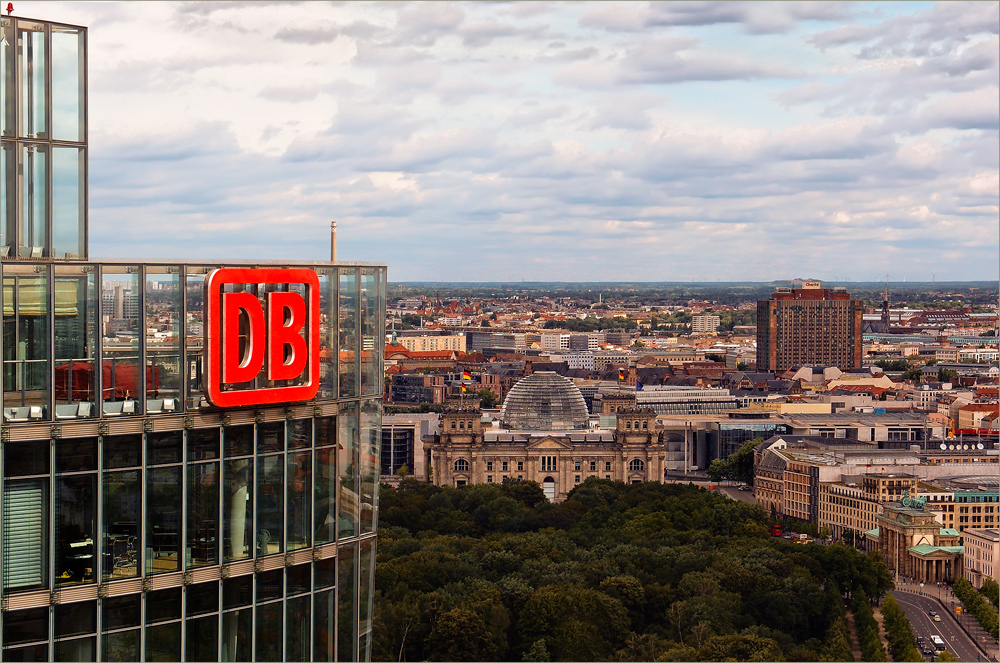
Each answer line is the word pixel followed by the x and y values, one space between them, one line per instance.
pixel 615 572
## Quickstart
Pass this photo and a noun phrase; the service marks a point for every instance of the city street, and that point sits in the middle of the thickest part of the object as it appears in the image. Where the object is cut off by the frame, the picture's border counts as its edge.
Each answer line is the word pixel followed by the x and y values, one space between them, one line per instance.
pixel 733 492
pixel 958 643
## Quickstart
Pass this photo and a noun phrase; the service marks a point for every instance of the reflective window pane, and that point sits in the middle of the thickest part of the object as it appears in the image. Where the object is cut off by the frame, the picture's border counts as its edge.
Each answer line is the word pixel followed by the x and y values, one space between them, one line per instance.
pixel 75 619
pixel 347 464
pixel 298 434
pixel 271 437
pixel 34 202
pixel 269 628
pixel 239 440
pixel 203 444
pixel 202 639
pixel 328 332
pixel 25 458
pixel 76 520
pixel 194 329
pixel 163 340
pixel 299 500
pixel 325 489
pixel 67 84
pixel 298 623
pixel 372 333
pixel 76 454
pixel 347 606
pixel 163 642
pixel 122 377
pixel 8 199
pixel 237 635
pixel 68 202
pixel 348 326
pixel 21 626
pixel 120 611
pixel 122 530
pixel 120 646
pixel 122 451
pixel 25 344
pixel 203 514
pixel 75 349
pixel 76 650
pixel 270 504
pixel 270 585
pixel 366 565
pixel 31 78
pixel 238 509
pixel 164 448
pixel 369 461
pixel 163 519
pixel 163 605
pixel 237 592
pixel 324 625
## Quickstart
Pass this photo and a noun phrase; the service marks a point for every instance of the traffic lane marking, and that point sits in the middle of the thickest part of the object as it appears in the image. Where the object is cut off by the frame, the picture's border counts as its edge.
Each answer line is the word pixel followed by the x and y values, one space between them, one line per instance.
pixel 961 642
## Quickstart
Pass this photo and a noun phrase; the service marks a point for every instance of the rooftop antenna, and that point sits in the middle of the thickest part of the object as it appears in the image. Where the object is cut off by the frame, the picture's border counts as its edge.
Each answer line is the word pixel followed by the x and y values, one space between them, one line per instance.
pixel 333 242
pixel 885 306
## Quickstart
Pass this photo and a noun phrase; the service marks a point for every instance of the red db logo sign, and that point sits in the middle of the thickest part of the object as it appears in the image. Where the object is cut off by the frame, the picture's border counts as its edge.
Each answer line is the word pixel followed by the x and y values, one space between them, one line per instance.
pixel 249 341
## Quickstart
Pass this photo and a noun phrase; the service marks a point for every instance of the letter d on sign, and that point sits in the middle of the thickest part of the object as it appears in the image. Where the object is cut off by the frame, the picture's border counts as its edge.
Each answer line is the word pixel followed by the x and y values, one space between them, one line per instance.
pixel 245 367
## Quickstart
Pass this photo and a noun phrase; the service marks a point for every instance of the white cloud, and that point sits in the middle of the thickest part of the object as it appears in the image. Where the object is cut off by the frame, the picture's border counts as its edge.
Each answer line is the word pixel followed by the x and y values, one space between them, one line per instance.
pixel 657 141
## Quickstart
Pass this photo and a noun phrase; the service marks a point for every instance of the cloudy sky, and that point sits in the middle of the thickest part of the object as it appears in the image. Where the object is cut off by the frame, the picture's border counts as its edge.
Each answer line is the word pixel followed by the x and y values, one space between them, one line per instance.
pixel 550 141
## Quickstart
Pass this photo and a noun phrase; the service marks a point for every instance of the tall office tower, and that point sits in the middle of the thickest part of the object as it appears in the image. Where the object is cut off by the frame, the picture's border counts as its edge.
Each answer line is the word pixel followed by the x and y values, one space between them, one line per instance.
pixel 808 325
pixel 189 452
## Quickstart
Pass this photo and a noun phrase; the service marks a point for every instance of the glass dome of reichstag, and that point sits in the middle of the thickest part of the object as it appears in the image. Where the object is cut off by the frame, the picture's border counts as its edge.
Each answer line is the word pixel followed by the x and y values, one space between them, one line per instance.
pixel 544 401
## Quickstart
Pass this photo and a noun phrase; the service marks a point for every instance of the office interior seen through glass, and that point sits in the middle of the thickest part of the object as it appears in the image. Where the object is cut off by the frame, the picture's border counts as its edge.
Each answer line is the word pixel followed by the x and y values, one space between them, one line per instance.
pixel 140 521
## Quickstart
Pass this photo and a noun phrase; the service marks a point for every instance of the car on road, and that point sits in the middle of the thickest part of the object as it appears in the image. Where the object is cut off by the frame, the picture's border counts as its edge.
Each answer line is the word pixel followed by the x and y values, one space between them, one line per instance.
pixel 937 618
pixel 931 613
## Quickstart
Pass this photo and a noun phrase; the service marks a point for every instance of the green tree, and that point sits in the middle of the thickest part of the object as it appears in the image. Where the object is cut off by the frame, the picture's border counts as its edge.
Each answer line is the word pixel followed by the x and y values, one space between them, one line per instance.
pixel 990 590
pixel 945 657
pixel 577 623
pixel 537 652
pixel 740 648
pixel 460 635
pixel 403 471
pixel 719 470
pixel 487 399
pixel 947 375
pixel 742 366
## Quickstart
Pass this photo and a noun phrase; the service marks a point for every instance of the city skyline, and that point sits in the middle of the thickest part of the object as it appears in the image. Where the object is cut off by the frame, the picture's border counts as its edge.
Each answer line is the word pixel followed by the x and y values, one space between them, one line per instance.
pixel 550 142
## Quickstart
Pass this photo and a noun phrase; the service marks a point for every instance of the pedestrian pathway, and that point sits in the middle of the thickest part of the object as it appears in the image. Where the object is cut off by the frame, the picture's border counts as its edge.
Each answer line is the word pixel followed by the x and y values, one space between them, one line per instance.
pixel 853 630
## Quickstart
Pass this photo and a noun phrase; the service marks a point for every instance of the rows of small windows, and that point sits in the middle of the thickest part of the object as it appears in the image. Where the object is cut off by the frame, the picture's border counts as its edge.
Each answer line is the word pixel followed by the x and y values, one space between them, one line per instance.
pixel 309 612
pixel 548 463
pixel 100 509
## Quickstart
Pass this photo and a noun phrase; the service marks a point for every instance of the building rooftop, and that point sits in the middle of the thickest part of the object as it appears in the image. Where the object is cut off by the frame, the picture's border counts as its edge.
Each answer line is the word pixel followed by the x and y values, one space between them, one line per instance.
pixel 544 401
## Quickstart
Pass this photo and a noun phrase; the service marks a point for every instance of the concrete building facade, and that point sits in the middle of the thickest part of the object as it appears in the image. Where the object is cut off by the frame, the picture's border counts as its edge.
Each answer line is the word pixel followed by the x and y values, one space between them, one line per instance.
pixel 808 325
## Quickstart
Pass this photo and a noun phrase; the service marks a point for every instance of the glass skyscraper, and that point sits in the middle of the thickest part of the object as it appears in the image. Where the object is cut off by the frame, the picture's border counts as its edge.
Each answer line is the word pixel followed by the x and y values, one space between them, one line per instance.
pixel 141 521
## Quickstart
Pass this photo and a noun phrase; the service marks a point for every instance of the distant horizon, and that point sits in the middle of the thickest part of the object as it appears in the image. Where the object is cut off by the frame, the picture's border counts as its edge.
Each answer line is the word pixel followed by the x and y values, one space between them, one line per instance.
pixel 975 283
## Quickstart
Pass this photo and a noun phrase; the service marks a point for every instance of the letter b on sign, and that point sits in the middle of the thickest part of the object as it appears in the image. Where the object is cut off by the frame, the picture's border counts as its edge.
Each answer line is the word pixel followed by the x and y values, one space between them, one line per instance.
pixel 241 337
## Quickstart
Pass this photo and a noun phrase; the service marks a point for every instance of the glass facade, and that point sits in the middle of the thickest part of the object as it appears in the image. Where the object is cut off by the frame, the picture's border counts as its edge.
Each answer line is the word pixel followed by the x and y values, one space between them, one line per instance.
pixel 139 521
